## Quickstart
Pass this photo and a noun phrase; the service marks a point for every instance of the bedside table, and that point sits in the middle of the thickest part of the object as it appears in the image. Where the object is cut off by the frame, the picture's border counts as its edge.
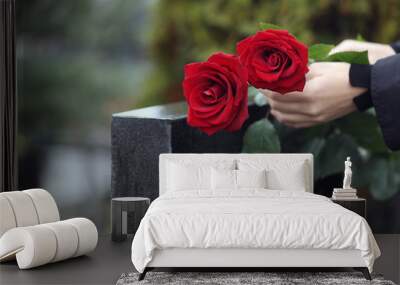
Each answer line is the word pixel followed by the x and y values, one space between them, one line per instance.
pixel 126 214
pixel 358 206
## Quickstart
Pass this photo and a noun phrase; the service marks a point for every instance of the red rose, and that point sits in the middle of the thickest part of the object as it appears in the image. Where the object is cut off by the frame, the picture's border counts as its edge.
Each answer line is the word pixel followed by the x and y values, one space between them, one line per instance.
pixel 216 92
pixel 275 60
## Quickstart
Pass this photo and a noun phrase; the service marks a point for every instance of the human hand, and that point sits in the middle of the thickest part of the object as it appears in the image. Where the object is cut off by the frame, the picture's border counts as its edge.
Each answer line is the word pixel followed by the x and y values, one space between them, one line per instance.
pixel 327 95
pixel 375 51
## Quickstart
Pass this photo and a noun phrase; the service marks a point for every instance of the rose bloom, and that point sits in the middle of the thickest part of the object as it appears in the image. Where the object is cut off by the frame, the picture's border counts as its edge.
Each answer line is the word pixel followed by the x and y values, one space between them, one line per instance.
pixel 216 92
pixel 275 60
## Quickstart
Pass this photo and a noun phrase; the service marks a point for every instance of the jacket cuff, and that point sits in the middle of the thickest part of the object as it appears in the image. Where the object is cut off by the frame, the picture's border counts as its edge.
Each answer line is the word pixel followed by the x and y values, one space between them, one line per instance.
pixel 363 102
pixel 385 96
pixel 360 76
pixel 396 46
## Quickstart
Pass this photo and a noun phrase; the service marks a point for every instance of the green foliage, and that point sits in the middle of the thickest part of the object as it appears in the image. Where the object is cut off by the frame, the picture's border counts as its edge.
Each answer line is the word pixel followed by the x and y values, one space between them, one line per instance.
pixel 335 150
pixel 357 135
pixel 261 137
pixel 329 145
pixel 364 129
pixel 256 97
pixel 359 57
pixel 189 30
pixel 360 38
pixel 332 143
pixel 319 52
pixel 268 26
pixel 384 181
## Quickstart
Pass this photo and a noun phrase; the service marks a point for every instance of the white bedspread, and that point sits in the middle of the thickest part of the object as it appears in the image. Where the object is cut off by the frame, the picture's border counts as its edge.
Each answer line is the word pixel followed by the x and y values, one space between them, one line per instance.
pixel 250 219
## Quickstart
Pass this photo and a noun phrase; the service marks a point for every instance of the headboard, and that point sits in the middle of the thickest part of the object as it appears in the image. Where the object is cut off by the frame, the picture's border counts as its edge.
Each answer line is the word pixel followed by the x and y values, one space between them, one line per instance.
pixel 296 157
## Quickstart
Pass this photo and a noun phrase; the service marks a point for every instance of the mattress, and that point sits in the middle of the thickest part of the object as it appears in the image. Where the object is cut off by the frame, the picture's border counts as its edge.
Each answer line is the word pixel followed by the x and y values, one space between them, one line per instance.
pixel 251 219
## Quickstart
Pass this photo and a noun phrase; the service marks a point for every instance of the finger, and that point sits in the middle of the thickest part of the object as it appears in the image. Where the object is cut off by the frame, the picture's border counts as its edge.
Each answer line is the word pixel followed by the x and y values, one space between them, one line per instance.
pixel 309 104
pixel 293 107
pixel 314 70
pixel 266 92
pixel 319 68
pixel 272 95
pixel 296 96
pixel 287 97
pixel 301 125
pixel 309 75
pixel 292 119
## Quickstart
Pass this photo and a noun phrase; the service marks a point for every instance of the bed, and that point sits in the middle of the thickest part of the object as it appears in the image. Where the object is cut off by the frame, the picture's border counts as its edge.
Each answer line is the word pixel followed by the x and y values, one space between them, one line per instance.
pixel 247 210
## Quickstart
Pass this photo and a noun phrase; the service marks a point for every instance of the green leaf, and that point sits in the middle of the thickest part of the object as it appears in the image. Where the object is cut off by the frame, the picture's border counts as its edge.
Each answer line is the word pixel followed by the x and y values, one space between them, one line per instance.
pixel 384 177
pixel 319 52
pixel 261 137
pixel 295 140
pixel 359 57
pixel 267 26
pixel 364 129
pixel 260 100
pixel 256 97
pixel 332 156
pixel 360 38
pixel 315 146
pixel 251 93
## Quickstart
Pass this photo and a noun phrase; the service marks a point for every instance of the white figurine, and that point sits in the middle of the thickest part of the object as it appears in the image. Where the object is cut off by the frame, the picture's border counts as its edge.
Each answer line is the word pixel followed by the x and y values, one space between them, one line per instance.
pixel 347 174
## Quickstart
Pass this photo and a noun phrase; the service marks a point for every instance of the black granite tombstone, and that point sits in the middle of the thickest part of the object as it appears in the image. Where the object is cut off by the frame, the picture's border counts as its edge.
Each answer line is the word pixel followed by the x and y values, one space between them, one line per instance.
pixel 139 136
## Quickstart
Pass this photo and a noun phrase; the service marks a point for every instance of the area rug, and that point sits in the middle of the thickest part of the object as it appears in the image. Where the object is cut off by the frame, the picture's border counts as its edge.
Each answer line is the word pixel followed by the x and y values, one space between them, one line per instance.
pixel 243 278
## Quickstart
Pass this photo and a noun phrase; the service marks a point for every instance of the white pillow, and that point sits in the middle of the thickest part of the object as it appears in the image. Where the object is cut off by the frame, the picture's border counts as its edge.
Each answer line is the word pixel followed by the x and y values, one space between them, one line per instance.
pixel 251 178
pixel 223 179
pixel 281 174
pixel 227 179
pixel 188 177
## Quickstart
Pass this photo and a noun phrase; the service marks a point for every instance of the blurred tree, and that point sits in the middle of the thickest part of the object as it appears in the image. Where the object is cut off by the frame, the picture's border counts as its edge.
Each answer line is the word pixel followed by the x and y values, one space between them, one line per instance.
pixel 78 62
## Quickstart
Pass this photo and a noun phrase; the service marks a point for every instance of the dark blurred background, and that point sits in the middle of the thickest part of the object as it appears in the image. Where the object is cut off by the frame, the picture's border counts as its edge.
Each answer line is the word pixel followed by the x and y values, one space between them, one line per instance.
pixel 81 61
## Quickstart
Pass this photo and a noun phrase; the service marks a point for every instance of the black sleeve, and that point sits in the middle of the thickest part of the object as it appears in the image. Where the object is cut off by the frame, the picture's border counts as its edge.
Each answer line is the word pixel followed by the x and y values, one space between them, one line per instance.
pixel 360 76
pixel 396 46
pixel 385 93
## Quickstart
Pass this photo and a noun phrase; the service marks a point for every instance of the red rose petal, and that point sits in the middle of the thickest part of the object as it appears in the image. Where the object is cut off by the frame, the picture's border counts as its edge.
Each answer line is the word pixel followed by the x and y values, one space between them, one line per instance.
pixel 274 60
pixel 216 92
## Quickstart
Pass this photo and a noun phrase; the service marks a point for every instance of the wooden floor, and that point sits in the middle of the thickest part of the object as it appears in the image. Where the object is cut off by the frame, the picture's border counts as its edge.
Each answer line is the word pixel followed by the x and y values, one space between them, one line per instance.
pixel 103 266
pixel 389 262
pixel 110 260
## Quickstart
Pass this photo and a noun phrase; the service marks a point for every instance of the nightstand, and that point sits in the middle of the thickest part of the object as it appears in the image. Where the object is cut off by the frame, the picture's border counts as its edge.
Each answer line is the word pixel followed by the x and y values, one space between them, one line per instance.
pixel 358 206
pixel 126 214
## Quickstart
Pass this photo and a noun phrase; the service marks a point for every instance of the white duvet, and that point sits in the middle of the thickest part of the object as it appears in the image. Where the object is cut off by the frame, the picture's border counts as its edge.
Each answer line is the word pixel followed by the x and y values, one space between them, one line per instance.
pixel 250 219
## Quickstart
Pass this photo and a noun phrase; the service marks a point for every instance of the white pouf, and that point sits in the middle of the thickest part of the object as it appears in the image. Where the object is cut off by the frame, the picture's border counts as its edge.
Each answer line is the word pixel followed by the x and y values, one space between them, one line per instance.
pixel 46 207
pixel 7 220
pixel 31 232
pixel 22 207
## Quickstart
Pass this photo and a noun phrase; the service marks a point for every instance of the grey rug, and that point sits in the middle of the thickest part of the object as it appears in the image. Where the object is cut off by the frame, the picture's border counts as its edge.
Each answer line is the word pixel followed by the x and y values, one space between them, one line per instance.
pixel 232 278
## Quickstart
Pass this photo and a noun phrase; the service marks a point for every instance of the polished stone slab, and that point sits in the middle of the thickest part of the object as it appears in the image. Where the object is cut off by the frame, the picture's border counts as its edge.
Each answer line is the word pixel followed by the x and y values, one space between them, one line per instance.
pixel 139 136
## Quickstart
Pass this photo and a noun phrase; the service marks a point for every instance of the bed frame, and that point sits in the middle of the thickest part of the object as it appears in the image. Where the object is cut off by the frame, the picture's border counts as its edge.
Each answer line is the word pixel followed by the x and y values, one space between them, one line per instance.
pixel 246 258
